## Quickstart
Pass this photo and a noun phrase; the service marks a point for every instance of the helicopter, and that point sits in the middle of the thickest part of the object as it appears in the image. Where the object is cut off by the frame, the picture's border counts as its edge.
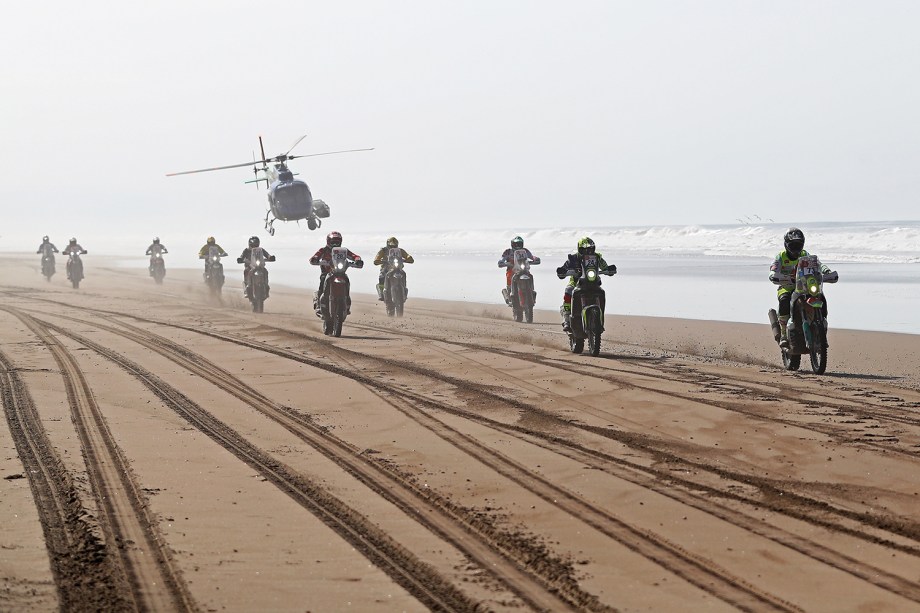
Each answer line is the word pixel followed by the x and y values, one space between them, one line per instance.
pixel 289 199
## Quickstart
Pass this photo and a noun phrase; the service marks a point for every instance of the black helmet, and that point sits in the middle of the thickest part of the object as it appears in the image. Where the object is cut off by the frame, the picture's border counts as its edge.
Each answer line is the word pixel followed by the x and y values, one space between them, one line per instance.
pixel 586 246
pixel 253 242
pixel 517 242
pixel 392 242
pixel 794 241
pixel 44 239
pixel 333 239
pixel 211 240
pixel 73 240
pixel 156 240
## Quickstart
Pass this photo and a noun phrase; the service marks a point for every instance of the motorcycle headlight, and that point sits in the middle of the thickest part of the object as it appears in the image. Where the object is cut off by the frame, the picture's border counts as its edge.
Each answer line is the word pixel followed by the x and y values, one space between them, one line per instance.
pixel 340 266
pixel 258 262
pixel 214 259
pixel 813 289
pixel 592 275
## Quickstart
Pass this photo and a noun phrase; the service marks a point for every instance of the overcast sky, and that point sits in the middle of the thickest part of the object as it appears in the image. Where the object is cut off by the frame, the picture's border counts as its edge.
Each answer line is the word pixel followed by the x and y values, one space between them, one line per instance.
pixel 495 113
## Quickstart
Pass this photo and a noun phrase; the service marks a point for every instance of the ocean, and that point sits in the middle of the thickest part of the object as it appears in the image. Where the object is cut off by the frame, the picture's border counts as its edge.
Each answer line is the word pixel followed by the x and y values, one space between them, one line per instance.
pixel 714 272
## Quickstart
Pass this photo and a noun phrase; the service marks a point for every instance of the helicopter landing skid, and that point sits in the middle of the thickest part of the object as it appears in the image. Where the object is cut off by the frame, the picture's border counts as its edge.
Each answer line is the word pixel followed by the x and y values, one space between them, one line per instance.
pixel 270 223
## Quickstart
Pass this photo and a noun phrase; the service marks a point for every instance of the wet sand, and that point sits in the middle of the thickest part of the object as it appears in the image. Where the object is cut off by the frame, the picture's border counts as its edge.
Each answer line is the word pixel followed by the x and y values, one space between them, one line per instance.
pixel 163 449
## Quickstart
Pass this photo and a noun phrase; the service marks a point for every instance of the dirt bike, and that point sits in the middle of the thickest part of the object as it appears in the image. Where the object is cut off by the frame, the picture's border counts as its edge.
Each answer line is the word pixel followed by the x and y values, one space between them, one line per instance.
pixel 75 268
pixel 588 302
pixel 213 271
pixel 157 267
pixel 806 330
pixel 257 288
pixel 394 284
pixel 333 303
pixel 48 264
pixel 522 296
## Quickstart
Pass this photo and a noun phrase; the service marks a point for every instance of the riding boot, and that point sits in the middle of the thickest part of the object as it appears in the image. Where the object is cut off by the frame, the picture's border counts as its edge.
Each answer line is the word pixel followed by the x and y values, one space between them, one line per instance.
pixel 506 294
pixel 380 291
pixel 783 335
pixel 566 320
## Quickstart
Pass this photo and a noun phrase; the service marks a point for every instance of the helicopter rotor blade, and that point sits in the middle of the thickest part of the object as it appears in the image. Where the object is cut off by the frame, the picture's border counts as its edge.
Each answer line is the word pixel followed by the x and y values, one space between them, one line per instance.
pixel 297 142
pixel 310 155
pixel 189 172
pixel 262 148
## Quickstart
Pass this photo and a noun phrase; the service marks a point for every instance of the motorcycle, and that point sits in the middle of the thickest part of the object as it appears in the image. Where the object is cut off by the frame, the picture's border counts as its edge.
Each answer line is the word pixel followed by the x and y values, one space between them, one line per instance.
pixel 258 278
pixel 806 330
pixel 157 267
pixel 394 284
pixel 48 264
pixel 588 302
pixel 333 303
pixel 522 296
pixel 213 271
pixel 75 268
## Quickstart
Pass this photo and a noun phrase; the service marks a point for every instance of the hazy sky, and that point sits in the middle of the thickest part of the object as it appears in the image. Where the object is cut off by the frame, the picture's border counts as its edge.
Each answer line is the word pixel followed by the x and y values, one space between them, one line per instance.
pixel 483 113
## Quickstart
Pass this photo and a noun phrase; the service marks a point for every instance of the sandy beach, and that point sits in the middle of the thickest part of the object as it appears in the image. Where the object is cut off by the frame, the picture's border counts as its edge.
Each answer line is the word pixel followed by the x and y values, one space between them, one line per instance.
pixel 161 450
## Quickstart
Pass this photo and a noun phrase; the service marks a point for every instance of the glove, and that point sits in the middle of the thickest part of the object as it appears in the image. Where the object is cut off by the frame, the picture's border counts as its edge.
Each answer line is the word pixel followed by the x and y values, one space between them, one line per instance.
pixel 239 260
pixel 535 261
pixel 502 263
pixel 560 272
pixel 611 269
pixel 271 259
pixel 359 263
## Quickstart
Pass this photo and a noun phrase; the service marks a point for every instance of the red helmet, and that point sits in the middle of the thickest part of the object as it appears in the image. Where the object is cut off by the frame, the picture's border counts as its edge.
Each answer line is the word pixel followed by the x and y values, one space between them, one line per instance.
pixel 333 239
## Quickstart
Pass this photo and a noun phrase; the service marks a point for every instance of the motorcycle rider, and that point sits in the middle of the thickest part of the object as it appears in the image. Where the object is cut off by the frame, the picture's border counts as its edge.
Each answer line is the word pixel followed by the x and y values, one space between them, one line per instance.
pixel 574 262
pixel 782 273
pixel 72 247
pixel 203 252
pixel 323 259
pixel 154 249
pixel 507 260
pixel 244 259
pixel 47 247
pixel 381 260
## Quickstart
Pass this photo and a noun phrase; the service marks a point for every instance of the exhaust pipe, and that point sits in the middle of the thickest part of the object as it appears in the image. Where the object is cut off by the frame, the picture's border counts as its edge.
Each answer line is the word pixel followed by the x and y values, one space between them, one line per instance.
pixel 774 323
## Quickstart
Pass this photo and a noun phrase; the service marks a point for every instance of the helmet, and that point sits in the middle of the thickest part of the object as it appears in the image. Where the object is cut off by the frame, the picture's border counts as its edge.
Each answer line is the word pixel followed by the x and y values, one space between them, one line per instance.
pixel 586 246
pixel 517 242
pixel 794 241
pixel 44 239
pixel 333 239
pixel 73 240
pixel 211 240
pixel 392 242
pixel 156 240
pixel 253 242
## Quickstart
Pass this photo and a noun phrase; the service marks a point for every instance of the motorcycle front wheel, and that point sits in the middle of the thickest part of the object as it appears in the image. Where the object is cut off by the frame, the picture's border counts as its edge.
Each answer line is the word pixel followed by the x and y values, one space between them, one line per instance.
pixel 818 352
pixel 594 333
pixel 337 326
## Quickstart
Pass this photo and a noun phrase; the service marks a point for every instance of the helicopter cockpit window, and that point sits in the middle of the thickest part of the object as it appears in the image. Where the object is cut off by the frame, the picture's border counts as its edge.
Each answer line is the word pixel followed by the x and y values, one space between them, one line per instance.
pixel 293 201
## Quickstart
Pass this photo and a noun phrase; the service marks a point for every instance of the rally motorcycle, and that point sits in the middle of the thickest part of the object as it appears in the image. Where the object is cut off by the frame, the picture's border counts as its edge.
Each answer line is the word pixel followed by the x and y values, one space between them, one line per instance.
pixel 157 267
pixel 48 264
pixel 394 283
pixel 806 329
pixel 213 271
pixel 333 303
pixel 588 301
pixel 75 268
pixel 258 278
pixel 522 296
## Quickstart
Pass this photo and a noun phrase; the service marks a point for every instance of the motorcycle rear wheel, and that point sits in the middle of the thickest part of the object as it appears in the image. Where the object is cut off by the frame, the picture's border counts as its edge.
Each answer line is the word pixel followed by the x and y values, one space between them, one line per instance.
pixel 577 345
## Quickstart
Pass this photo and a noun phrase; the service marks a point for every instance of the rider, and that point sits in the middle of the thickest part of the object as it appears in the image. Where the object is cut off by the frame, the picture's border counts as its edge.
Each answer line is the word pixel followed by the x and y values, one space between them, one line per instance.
pixel 72 247
pixel 154 249
pixel 244 260
pixel 782 273
pixel 203 252
pixel 507 260
pixel 574 262
pixel 381 260
pixel 323 259
pixel 47 247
